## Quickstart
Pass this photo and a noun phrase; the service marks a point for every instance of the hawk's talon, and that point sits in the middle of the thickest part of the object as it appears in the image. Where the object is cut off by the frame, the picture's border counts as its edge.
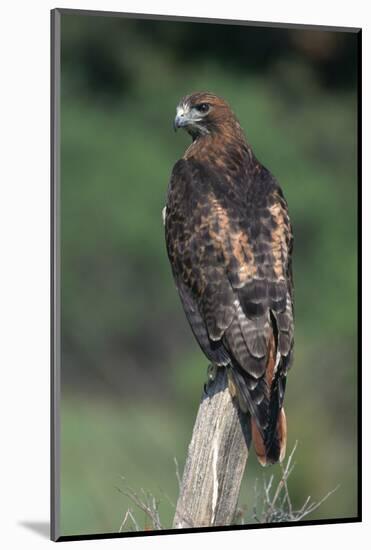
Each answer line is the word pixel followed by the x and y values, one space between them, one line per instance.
pixel 211 372
pixel 211 375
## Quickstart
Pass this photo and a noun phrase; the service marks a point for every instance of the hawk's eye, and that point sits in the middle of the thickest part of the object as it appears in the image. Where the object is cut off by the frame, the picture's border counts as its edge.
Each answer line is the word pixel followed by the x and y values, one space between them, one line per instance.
pixel 203 107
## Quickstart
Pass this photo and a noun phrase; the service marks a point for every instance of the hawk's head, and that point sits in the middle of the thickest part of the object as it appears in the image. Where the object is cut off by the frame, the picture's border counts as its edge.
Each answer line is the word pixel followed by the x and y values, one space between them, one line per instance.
pixel 203 113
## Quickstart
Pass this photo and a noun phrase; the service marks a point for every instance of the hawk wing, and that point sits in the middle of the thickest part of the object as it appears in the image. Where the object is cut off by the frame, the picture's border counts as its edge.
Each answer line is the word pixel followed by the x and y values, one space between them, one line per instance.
pixel 230 250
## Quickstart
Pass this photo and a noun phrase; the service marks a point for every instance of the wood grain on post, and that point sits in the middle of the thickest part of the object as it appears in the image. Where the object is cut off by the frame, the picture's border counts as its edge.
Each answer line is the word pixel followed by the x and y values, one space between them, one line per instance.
pixel 215 462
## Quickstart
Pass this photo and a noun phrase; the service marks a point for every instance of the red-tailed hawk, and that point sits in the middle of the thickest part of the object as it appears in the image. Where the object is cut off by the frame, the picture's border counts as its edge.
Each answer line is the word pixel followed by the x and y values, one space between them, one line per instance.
pixel 229 242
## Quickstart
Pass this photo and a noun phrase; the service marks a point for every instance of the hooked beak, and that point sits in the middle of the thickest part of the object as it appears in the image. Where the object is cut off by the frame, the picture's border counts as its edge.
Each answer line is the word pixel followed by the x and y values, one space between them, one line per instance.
pixel 179 121
pixel 182 118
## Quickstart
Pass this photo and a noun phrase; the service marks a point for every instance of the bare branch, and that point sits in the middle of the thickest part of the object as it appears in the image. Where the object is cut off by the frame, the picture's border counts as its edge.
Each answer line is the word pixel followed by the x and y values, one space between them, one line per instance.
pixel 148 504
pixel 280 507
pixel 309 509
pixel 127 516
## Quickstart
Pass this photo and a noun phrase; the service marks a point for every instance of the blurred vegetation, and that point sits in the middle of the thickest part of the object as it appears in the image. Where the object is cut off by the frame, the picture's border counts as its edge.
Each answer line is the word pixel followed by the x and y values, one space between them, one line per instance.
pixel 132 373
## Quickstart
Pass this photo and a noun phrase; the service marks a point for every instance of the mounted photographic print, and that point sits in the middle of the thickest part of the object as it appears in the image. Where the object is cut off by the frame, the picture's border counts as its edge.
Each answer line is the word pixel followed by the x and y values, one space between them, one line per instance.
pixel 205 192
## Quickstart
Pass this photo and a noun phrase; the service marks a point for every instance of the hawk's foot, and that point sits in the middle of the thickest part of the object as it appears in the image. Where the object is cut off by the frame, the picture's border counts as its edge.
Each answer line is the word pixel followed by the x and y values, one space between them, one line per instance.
pixel 211 375
pixel 211 372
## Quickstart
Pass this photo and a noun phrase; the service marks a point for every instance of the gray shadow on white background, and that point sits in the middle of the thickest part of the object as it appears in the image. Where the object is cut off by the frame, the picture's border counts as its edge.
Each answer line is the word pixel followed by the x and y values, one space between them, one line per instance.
pixel 41 528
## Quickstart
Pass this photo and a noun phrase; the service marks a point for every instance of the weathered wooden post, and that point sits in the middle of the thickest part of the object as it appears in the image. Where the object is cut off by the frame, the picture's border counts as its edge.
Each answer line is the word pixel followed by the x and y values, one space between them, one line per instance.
pixel 215 462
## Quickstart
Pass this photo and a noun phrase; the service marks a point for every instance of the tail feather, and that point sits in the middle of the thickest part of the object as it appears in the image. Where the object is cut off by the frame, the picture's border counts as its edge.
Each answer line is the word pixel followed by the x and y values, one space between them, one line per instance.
pixel 268 419
pixel 277 450
pixel 251 394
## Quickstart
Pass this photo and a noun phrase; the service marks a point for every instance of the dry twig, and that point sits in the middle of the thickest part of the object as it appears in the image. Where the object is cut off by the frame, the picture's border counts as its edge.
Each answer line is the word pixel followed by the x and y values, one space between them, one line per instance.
pixel 279 507
pixel 146 502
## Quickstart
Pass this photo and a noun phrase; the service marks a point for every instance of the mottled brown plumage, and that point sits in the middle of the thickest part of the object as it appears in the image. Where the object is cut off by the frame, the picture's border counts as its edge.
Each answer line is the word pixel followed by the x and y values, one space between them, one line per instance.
pixel 229 242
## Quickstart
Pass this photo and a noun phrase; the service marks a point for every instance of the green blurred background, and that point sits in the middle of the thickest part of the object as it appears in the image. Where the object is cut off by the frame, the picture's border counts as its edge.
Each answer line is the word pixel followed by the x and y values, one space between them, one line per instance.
pixel 132 374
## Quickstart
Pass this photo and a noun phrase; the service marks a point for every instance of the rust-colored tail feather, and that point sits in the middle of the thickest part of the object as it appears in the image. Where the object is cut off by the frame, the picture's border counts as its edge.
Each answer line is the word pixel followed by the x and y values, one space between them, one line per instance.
pixel 277 450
